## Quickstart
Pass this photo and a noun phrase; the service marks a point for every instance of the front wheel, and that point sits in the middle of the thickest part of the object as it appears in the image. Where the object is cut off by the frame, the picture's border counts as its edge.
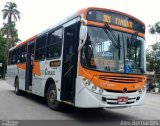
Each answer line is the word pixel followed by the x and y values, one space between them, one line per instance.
pixel 52 98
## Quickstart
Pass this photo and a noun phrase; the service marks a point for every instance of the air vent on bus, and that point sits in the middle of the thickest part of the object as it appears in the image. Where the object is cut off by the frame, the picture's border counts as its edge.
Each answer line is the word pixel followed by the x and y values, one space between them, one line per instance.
pixel 121 79
pixel 119 91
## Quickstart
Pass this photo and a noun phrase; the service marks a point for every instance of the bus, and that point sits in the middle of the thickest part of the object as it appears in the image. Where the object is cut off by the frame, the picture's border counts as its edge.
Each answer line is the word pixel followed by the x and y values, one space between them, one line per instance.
pixel 92 59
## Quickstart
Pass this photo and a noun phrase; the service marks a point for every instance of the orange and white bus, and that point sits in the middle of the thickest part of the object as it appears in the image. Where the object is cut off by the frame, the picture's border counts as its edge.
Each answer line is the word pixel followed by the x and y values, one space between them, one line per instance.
pixel 93 59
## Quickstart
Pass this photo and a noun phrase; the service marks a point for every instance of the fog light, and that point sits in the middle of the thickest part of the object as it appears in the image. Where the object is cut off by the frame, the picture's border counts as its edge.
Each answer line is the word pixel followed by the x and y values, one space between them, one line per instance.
pixel 104 99
pixel 94 88
pixel 100 91
pixel 138 98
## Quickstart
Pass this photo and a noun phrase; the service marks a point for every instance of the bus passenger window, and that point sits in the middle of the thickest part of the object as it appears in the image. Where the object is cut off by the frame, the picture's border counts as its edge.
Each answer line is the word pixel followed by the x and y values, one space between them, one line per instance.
pixel 54 46
pixel 41 48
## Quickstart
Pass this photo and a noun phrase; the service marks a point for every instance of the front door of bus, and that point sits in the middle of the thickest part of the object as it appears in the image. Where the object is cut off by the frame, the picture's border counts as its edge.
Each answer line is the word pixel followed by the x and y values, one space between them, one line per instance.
pixel 29 65
pixel 69 67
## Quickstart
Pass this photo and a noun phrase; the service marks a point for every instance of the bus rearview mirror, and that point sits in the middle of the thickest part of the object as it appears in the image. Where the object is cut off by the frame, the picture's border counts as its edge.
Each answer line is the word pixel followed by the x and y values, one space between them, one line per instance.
pixel 82 36
pixel 83 32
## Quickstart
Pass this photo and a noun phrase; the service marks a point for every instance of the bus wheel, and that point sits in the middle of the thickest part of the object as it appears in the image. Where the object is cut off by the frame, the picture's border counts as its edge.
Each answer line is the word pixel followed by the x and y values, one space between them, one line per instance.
pixel 52 98
pixel 17 90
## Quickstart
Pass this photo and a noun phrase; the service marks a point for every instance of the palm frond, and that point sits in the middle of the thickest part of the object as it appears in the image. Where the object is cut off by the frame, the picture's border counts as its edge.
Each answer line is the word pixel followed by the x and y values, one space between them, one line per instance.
pixel 10 12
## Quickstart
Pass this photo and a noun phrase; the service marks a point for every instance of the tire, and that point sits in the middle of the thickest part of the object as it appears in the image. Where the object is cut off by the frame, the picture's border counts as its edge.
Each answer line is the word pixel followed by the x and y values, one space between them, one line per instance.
pixel 17 90
pixel 52 98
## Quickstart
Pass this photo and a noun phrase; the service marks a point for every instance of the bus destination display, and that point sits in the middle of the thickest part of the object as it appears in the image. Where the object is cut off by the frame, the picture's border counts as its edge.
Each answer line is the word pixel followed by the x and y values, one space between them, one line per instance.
pixel 115 19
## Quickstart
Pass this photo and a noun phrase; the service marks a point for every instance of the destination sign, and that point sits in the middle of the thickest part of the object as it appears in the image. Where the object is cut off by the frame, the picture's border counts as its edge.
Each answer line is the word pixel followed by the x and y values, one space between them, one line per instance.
pixel 115 19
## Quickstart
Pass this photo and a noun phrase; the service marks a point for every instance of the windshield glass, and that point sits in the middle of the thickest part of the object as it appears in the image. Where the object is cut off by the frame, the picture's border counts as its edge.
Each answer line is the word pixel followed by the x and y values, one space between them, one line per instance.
pixel 101 53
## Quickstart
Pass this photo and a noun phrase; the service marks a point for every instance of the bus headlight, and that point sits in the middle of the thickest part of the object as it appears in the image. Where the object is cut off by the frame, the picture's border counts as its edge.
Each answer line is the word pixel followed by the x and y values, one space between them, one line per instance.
pixel 94 88
pixel 100 91
pixel 142 90
pixel 90 86
pixel 87 83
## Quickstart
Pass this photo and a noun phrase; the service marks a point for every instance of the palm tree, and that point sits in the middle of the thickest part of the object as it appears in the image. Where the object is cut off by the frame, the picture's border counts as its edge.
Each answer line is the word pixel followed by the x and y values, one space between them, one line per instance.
pixel 13 36
pixel 11 14
pixel 155 29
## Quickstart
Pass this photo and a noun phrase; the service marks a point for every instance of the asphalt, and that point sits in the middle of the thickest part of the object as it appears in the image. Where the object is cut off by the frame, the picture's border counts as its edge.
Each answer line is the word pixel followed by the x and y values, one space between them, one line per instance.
pixel 31 107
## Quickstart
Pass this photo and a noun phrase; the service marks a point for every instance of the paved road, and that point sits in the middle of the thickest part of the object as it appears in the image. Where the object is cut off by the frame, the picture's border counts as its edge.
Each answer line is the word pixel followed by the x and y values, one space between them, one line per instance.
pixel 29 107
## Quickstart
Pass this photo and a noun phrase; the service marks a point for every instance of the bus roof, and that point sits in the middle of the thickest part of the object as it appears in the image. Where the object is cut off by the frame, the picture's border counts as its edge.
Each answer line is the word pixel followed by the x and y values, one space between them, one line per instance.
pixel 85 10
pixel 81 12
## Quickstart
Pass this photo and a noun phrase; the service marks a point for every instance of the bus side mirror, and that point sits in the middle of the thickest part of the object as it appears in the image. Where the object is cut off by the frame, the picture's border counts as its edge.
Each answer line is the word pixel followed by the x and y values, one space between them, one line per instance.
pixel 82 36
pixel 83 32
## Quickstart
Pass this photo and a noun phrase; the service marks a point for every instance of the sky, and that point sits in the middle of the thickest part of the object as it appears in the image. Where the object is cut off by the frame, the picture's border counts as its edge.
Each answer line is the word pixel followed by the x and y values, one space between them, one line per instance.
pixel 38 15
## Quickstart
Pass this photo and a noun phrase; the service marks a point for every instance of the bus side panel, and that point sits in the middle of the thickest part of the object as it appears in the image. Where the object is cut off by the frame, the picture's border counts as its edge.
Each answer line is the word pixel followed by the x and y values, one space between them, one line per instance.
pixel 84 98
pixel 55 74
pixel 21 72
pixel 42 72
pixel 38 78
pixel 11 74
pixel 37 85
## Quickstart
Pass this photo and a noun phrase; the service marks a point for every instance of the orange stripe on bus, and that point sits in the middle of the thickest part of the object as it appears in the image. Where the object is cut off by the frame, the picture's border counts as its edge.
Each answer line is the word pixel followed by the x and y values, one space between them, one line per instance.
pixel 22 66
pixel 94 77
pixel 37 69
pixel 114 27
pixel 26 41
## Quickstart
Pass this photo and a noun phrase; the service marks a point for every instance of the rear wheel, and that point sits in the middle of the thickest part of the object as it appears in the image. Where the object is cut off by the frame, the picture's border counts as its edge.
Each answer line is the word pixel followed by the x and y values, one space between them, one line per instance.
pixel 52 98
pixel 17 90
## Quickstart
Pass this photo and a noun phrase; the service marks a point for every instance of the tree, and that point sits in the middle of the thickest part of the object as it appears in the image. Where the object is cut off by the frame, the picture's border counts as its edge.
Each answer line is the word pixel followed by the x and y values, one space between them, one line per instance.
pixel 11 14
pixel 153 57
pixel 155 29
pixel 3 57
pixel 13 37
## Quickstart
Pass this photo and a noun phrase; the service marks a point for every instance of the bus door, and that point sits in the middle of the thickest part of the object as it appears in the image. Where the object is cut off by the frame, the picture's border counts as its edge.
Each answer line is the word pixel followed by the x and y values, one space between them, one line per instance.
pixel 70 57
pixel 29 65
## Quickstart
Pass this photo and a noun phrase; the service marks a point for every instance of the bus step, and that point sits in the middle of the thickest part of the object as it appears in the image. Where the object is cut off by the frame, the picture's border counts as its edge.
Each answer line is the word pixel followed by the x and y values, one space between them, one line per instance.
pixel 30 88
pixel 29 91
pixel 67 102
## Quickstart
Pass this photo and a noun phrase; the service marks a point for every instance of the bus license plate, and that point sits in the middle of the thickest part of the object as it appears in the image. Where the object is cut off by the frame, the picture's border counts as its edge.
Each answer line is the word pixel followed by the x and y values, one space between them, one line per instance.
pixel 122 100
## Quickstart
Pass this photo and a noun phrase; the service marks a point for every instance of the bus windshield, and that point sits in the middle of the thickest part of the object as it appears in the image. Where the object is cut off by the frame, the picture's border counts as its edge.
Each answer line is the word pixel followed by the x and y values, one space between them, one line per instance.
pixel 100 53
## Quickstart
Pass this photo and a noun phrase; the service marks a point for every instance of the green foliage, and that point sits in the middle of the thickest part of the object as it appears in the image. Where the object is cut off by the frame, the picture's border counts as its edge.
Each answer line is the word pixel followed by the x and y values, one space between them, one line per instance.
pixel 3 56
pixel 153 57
pixel 8 33
pixel 154 29
pixel 13 36
pixel 153 53
pixel 11 14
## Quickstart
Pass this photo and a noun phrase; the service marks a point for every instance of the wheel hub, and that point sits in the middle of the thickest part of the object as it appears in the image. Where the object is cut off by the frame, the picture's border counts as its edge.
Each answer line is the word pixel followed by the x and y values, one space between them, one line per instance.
pixel 52 96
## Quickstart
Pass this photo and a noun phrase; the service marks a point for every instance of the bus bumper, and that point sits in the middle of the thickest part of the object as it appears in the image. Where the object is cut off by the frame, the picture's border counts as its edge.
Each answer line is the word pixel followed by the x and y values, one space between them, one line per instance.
pixel 88 99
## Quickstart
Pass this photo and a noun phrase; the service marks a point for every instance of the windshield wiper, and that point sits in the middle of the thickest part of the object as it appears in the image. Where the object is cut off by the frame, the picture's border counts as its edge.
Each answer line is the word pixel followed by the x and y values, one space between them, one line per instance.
pixel 112 36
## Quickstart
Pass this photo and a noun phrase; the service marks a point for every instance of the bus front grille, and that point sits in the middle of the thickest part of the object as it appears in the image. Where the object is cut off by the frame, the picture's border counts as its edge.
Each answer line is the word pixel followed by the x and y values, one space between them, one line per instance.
pixel 121 79
pixel 120 91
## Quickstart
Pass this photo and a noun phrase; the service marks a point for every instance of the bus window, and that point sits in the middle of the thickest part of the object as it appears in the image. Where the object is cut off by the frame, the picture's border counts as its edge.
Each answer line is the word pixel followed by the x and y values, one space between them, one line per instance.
pixel 54 44
pixel 19 51
pixel 13 57
pixel 41 48
pixel 23 54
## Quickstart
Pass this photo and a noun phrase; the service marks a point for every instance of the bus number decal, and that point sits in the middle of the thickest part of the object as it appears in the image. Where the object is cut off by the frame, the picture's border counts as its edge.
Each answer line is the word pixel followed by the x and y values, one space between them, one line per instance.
pixel 47 72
